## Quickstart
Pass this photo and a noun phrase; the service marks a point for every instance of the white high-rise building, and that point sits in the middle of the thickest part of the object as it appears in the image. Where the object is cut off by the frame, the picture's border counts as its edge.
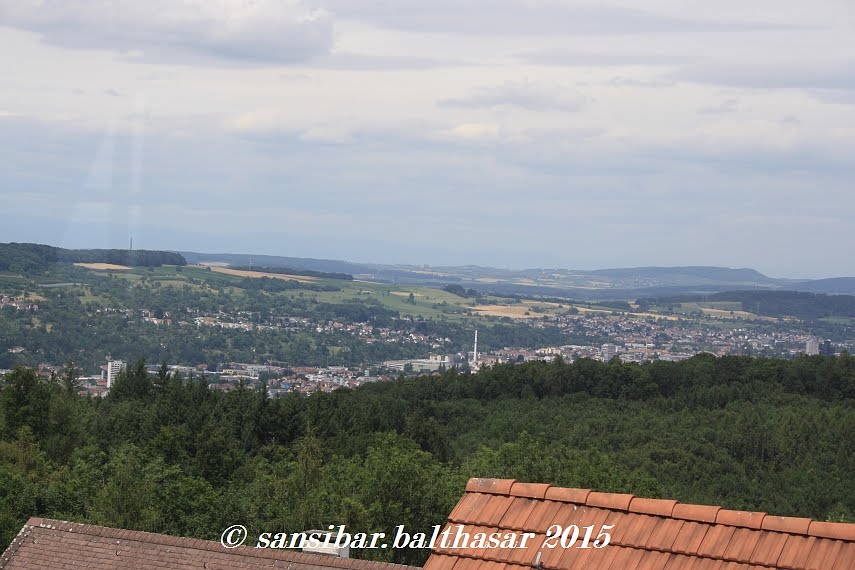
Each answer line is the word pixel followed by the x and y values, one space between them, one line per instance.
pixel 812 347
pixel 113 369
pixel 609 351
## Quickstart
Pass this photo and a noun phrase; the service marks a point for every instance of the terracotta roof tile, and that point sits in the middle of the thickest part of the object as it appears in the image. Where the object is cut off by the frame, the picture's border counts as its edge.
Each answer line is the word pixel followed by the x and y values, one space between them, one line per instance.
pixel 493 511
pixel 660 507
pixel 640 532
pixel 627 559
pixel 796 551
pixel 663 537
pixel 716 541
pixel 742 545
pixel 690 538
pixel 480 553
pixel 790 525
pixel 581 558
pixel 740 518
pixel 769 548
pixel 603 558
pixel 699 513
pixel 846 558
pixel 497 486
pixel 541 515
pixel 567 495
pixel 646 534
pixel 619 522
pixel 469 508
pixel 518 513
pixel 654 561
pixel 527 556
pixel 610 500
pixel 679 562
pixel 832 530
pixel 824 554
pixel 461 563
pixel 530 490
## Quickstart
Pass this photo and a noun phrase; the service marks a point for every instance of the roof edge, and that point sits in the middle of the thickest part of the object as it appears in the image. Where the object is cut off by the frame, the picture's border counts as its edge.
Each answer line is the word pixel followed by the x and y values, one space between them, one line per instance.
pixel 185 542
pixel 711 514
pixel 19 539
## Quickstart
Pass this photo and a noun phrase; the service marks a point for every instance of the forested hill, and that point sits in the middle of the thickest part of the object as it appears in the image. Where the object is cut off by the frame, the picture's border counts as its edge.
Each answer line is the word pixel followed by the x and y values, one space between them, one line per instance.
pixel 772 303
pixel 35 258
pixel 169 455
pixel 711 274
pixel 292 271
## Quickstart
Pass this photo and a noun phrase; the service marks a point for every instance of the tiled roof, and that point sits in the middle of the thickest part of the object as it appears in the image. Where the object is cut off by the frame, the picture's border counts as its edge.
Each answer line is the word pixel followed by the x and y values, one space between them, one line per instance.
pixel 648 534
pixel 44 543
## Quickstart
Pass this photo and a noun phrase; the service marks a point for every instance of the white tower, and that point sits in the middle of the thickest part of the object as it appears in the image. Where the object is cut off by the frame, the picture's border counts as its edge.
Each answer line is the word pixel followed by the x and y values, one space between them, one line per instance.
pixel 812 347
pixel 475 350
pixel 113 369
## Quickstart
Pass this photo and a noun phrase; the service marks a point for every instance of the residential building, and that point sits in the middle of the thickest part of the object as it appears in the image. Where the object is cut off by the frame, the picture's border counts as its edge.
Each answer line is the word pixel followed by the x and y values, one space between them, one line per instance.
pixel 113 369
pixel 812 347
pixel 609 351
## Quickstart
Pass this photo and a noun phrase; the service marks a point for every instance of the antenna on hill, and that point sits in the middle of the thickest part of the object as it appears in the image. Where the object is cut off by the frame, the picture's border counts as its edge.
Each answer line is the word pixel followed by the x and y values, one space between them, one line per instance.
pixel 131 248
pixel 250 263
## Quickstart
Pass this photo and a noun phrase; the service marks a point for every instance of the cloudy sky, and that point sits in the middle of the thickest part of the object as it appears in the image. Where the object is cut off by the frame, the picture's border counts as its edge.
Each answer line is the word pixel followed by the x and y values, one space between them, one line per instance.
pixel 513 133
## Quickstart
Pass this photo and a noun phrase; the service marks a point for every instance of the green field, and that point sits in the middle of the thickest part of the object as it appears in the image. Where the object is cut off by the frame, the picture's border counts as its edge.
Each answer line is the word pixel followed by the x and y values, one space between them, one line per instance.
pixel 428 302
pixel 845 321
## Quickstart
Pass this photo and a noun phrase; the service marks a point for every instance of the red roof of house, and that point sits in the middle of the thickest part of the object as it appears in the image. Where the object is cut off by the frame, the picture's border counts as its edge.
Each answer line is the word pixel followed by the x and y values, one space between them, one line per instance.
pixel 647 534
pixel 45 543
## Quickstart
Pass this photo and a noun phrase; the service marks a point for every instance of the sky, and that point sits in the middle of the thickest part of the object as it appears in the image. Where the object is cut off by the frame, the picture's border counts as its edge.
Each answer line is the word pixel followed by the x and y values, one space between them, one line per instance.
pixel 519 134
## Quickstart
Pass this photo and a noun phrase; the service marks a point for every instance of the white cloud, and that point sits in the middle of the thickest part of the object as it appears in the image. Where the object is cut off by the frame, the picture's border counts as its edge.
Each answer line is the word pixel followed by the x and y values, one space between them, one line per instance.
pixel 525 94
pixel 473 131
pixel 725 107
pixel 163 30
pixel 796 74
pixel 537 17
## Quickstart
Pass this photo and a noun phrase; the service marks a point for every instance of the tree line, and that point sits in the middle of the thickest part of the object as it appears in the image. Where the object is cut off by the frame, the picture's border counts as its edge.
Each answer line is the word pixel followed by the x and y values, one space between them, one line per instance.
pixel 776 304
pixel 36 258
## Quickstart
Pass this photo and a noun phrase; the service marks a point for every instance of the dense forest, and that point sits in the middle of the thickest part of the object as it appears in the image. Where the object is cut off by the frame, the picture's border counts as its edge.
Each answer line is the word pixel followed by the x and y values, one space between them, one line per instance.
pixel 167 454
pixel 776 304
pixel 291 271
pixel 36 258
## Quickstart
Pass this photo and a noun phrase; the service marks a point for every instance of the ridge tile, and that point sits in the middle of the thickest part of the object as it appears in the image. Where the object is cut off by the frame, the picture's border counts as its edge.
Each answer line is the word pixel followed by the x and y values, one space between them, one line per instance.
pixel 615 501
pixel 493 486
pixel 697 513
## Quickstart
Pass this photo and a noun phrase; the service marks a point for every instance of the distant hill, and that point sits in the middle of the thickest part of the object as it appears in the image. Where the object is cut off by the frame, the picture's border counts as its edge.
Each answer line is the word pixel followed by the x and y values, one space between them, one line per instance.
pixel 834 285
pixel 374 272
pixel 706 273
pixel 601 294
pixel 293 271
pixel 275 261
pixel 616 283
pixel 33 257
pixel 799 304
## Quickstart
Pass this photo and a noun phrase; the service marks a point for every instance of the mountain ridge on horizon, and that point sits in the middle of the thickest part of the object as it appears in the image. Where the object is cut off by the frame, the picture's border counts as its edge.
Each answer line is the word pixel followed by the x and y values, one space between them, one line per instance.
pixel 593 283
pixel 606 283
pixel 416 266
